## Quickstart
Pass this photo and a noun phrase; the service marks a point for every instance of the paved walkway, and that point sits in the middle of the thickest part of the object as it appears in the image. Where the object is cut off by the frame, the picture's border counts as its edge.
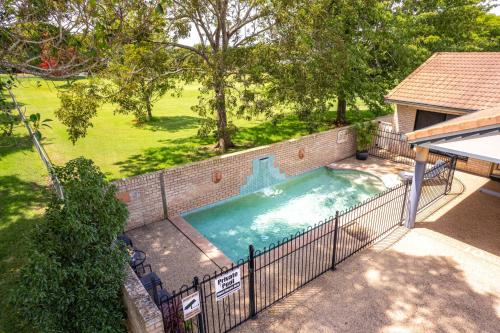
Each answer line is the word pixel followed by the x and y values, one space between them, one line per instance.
pixel 467 214
pixel 172 256
pixel 443 276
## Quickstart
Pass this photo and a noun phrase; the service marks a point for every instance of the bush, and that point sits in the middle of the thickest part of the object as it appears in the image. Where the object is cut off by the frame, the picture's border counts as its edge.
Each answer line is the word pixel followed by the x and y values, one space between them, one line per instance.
pixel 72 282
pixel 365 132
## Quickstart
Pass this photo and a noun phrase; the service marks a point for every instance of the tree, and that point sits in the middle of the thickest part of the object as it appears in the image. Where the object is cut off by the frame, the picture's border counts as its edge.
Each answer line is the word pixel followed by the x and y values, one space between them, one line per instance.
pixel 344 51
pixel 227 32
pixel 78 106
pixel 444 25
pixel 141 75
pixel 72 282
pixel 491 32
pixel 340 51
pixel 135 77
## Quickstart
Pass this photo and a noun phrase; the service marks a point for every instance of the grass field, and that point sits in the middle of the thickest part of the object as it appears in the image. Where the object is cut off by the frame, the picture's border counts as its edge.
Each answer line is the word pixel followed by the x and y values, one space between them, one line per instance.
pixel 123 148
pixel 117 145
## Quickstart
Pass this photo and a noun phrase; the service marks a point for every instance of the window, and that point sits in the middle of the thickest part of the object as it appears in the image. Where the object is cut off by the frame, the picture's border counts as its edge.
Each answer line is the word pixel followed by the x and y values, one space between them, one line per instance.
pixel 428 118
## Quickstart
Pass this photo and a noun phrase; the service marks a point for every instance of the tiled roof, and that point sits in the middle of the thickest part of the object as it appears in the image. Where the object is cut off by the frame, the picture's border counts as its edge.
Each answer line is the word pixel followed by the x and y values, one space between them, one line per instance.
pixel 457 80
pixel 475 120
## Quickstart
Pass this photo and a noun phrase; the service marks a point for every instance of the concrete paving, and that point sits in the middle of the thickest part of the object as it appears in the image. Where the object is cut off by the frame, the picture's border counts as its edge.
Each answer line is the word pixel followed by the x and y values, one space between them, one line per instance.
pixel 467 214
pixel 443 276
pixel 172 256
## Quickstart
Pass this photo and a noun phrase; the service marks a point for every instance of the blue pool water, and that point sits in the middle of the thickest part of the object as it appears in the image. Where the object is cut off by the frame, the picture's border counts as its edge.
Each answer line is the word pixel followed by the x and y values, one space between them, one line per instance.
pixel 270 214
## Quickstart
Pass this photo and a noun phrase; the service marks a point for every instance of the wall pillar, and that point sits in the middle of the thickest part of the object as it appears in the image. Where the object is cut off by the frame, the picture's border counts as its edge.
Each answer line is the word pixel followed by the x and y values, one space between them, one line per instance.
pixel 416 185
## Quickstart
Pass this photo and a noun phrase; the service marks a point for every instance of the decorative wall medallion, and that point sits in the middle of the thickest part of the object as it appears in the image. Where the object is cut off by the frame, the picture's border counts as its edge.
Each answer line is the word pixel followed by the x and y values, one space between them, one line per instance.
pixel 342 136
pixel 217 176
pixel 302 153
pixel 123 196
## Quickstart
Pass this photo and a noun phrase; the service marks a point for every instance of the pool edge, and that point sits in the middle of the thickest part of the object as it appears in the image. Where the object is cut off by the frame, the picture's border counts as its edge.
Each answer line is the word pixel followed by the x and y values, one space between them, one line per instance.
pixel 210 250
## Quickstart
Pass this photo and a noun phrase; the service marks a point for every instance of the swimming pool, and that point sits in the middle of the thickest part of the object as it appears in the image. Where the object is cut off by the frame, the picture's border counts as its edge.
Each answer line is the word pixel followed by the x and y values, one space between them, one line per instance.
pixel 275 212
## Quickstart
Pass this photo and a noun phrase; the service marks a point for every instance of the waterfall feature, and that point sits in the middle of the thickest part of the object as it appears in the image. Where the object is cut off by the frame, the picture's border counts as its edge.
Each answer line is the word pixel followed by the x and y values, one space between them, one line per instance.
pixel 264 174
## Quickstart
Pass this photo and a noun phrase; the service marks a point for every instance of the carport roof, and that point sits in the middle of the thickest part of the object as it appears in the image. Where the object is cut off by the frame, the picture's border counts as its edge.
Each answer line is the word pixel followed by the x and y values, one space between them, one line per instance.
pixel 475 135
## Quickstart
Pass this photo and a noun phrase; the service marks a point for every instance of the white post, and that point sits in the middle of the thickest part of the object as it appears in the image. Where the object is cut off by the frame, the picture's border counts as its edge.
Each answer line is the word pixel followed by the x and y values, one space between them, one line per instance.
pixel 416 185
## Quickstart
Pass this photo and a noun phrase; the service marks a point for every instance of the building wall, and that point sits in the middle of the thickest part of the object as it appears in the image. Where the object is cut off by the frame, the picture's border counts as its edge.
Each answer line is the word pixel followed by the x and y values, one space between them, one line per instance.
pixel 478 167
pixel 404 118
pixel 405 115
pixel 404 121
pixel 201 183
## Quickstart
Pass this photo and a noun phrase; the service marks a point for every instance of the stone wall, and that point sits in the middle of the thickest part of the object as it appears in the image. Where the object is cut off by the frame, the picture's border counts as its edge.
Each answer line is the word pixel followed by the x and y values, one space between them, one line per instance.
pixel 143 316
pixel 198 184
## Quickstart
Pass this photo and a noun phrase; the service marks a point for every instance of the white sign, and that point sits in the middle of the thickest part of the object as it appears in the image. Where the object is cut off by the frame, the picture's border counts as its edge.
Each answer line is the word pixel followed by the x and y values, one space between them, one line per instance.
pixel 342 136
pixel 227 283
pixel 191 305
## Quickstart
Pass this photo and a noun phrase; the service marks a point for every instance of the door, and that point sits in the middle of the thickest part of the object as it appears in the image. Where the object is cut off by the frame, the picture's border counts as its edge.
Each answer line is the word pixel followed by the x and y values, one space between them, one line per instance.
pixel 428 118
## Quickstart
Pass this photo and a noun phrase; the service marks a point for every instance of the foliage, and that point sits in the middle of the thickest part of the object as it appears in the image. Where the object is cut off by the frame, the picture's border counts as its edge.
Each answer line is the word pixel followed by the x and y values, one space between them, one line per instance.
pixel 365 132
pixel 141 73
pixel 225 61
pixel 37 123
pixel 337 52
pixel 7 119
pixel 78 106
pixel 344 50
pixel 53 38
pixel 426 25
pixel 490 32
pixel 73 278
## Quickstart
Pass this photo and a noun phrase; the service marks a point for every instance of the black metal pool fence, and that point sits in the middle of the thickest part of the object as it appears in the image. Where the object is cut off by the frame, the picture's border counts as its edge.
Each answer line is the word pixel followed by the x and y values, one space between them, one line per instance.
pixel 229 297
pixel 394 146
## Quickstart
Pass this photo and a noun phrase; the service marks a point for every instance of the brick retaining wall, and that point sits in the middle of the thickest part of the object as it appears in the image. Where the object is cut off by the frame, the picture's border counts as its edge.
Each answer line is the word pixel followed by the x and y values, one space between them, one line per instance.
pixel 201 183
pixel 143 316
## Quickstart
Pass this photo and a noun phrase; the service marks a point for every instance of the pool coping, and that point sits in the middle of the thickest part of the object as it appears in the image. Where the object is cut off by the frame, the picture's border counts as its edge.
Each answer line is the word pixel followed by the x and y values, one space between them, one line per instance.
pixel 205 246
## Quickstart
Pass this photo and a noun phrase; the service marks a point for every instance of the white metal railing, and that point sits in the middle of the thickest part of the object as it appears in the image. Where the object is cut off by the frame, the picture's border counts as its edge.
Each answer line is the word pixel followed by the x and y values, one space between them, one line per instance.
pixel 41 151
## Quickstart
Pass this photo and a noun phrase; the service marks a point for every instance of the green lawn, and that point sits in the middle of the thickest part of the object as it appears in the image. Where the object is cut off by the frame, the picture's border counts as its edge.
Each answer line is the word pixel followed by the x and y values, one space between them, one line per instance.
pixel 116 144
pixel 122 148
pixel 22 198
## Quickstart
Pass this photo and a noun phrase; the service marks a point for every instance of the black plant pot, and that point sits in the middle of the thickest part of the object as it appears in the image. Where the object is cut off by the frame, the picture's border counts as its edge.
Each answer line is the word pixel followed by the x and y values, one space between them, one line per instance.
pixel 362 155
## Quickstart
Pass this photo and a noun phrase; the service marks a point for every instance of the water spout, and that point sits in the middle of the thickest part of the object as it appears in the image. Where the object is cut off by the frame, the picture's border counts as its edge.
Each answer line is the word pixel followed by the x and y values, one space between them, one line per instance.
pixel 264 174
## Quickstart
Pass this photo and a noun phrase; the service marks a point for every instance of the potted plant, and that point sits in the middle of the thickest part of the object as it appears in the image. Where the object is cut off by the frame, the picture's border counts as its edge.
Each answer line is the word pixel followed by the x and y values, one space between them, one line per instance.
pixel 365 131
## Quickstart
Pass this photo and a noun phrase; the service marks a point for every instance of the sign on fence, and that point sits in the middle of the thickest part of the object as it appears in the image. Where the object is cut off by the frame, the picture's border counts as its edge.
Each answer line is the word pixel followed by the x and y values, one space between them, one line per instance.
pixel 227 284
pixel 191 305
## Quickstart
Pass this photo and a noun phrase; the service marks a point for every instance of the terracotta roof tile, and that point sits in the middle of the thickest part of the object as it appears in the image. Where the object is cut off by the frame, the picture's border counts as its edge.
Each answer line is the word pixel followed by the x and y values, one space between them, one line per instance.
pixel 458 80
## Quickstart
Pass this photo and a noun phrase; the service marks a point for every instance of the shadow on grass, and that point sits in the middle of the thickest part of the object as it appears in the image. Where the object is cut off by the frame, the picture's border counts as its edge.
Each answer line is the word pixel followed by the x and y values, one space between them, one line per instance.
pixel 21 205
pixel 270 131
pixel 175 152
pixel 13 144
pixel 191 149
pixel 171 124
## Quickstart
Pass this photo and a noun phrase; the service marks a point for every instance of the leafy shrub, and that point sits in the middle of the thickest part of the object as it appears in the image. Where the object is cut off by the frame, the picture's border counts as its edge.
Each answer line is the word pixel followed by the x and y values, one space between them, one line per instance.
pixel 72 282
pixel 365 132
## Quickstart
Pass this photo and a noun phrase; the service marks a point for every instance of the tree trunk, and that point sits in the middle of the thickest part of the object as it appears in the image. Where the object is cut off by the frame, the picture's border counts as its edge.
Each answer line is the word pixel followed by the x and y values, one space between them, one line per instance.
pixel 223 135
pixel 149 113
pixel 341 110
